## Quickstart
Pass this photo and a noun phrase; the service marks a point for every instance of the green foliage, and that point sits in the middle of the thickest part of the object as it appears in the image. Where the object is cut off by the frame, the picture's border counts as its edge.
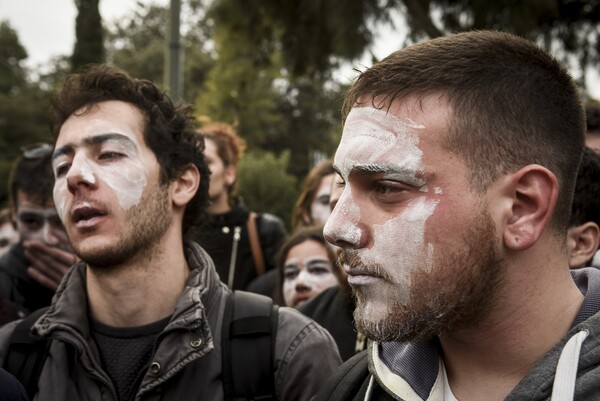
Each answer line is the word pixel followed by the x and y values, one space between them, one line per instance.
pixel 89 44
pixel 23 106
pixel 12 54
pixel 568 28
pixel 137 44
pixel 265 186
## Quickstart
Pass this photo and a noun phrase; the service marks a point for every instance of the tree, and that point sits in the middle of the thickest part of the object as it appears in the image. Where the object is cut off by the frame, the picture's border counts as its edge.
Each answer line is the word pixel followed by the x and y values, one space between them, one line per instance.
pixel 12 55
pixel 568 28
pixel 89 44
pixel 23 106
pixel 136 44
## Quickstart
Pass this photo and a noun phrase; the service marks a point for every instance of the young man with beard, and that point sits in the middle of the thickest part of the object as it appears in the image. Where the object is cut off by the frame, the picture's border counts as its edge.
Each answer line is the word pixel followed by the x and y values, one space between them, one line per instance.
pixel 140 316
pixel 459 157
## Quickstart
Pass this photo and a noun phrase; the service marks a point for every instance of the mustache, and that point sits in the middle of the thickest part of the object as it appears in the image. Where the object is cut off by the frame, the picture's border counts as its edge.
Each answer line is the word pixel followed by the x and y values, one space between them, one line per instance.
pixel 350 261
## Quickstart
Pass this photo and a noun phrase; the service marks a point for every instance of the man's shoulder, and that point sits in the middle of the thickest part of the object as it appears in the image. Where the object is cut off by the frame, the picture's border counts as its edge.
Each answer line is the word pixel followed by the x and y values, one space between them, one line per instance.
pixel 297 330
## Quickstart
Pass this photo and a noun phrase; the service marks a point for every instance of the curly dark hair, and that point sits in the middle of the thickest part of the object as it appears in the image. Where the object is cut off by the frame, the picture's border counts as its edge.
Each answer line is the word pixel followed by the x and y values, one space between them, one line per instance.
pixel 170 130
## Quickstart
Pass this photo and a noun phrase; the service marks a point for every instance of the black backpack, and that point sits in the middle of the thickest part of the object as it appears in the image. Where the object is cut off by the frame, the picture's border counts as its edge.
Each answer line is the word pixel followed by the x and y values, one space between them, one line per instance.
pixel 248 334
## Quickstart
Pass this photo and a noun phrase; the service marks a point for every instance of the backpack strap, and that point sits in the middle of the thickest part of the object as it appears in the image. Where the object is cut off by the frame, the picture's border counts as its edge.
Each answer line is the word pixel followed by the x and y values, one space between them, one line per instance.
pixel 248 336
pixel 257 254
pixel 348 381
pixel 27 353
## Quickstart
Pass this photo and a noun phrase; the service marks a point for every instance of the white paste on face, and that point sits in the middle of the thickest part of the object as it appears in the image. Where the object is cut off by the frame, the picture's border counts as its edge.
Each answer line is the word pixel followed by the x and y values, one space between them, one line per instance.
pixel 374 140
pixel 126 176
pixel 311 282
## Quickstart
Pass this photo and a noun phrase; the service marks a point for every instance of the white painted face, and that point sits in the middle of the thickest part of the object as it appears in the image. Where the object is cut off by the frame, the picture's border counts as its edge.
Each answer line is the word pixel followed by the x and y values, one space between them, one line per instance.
pixel 382 212
pixel 307 271
pixel 8 237
pixel 319 208
pixel 103 174
pixel 109 154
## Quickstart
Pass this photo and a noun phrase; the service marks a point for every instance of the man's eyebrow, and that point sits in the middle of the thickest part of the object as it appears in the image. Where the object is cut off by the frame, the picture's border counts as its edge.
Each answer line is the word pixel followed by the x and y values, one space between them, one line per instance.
pixel 98 139
pixel 93 140
pixel 389 171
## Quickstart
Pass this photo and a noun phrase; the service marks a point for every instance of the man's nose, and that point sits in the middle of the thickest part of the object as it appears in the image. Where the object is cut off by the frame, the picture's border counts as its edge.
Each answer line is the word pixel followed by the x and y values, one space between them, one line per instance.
pixel 342 228
pixel 81 173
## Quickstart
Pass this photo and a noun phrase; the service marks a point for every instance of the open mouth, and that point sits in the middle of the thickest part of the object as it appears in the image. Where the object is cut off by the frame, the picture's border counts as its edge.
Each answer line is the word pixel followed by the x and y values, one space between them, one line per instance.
pixel 85 214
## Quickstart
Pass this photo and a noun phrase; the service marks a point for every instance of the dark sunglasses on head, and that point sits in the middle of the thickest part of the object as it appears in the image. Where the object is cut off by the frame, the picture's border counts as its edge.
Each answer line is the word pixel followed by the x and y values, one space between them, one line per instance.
pixel 36 151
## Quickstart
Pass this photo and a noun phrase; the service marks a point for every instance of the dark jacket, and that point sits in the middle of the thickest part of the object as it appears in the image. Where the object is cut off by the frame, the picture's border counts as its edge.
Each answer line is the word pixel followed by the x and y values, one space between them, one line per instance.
pixel 411 371
pixel 187 362
pixel 17 289
pixel 333 310
pixel 10 388
pixel 217 237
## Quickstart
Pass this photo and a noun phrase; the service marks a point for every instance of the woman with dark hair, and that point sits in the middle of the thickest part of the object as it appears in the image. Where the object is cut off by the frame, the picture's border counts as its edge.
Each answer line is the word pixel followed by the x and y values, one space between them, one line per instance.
pixel 305 268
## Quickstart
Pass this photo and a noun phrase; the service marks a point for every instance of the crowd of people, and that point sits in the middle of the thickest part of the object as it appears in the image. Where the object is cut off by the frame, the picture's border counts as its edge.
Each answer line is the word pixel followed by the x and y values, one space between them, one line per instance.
pixel 448 250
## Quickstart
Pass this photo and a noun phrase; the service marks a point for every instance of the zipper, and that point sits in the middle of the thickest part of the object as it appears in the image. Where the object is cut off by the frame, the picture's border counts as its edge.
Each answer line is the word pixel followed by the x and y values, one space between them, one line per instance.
pixel 95 376
pixel 234 247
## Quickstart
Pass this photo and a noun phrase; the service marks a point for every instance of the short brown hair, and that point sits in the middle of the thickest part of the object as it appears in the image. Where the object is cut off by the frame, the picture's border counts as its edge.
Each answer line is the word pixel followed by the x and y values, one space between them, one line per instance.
pixel 513 104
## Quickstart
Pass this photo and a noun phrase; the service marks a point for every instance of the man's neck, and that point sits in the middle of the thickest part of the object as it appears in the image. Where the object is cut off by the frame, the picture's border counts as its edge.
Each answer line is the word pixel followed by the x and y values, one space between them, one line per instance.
pixel 536 308
pixel 141 291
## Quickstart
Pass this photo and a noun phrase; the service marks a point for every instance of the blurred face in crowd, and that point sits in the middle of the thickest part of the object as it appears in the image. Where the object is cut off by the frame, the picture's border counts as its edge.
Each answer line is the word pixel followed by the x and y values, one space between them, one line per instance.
pixel 307 271
pixel 41 222
pixel 221 176
pixel 107 188
pixel 418 242
pixel 319 208
pixel 8 236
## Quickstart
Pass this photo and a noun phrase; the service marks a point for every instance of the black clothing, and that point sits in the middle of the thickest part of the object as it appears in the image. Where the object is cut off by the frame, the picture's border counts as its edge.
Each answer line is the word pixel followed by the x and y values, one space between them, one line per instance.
pixel 10 388
pixel 217 237
pixel 126 353
pixel 16 287
pixel 265 284
pixel 333 310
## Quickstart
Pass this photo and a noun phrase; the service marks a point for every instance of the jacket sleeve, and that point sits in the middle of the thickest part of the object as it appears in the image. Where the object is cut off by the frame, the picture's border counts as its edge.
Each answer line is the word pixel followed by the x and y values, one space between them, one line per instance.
pixel 305 356
pixel 5 333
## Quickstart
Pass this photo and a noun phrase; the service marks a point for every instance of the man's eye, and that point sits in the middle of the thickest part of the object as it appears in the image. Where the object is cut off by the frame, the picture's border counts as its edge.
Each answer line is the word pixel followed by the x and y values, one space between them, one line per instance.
pixel 31 222
pixel 110 155
pixel 61 170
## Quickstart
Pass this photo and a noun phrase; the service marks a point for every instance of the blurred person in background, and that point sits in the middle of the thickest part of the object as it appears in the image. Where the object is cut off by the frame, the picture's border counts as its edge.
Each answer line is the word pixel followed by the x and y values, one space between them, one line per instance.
pixel 592 119
pixel 333 308
pixel 241 242
pixel 306 267
pixel 312 206
pixel 32 268
pixel 583 234
pixel 8 233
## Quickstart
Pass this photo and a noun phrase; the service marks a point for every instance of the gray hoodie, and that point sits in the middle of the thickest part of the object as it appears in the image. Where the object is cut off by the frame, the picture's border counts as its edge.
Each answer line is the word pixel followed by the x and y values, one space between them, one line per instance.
pixel 414 371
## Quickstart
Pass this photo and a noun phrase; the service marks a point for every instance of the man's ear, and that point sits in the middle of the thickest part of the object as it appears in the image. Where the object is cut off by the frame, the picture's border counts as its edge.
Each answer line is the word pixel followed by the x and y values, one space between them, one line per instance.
pixel 185 186
pixel 532 192
pixel 582 243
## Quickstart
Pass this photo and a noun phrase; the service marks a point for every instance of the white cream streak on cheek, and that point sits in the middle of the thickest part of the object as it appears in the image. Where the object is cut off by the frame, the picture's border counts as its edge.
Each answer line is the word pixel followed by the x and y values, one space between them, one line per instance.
pixel 59 193
pixel 399 245
pixel 127 182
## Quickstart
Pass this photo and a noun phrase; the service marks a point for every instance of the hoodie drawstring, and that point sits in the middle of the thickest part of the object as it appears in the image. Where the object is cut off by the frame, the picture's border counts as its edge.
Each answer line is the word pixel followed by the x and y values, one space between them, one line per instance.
pixel 566 370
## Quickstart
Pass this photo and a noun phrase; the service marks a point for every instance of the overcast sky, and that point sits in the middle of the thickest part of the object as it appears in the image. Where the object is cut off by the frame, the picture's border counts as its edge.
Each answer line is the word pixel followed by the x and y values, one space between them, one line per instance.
pixel 46 28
